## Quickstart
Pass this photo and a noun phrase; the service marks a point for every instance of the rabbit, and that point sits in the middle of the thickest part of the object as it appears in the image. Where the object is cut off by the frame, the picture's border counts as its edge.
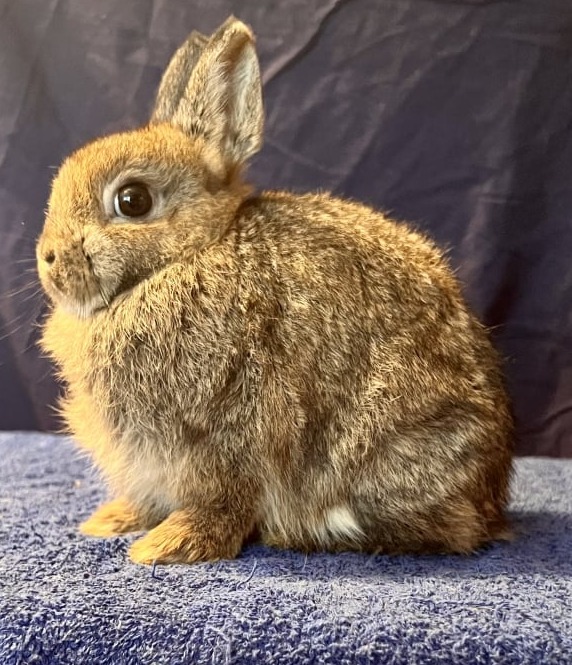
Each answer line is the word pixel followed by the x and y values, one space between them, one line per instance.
pixel 295 369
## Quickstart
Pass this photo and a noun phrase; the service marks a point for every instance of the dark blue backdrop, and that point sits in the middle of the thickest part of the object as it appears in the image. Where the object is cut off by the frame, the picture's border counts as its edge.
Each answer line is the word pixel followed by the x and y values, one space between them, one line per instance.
pixel 456 116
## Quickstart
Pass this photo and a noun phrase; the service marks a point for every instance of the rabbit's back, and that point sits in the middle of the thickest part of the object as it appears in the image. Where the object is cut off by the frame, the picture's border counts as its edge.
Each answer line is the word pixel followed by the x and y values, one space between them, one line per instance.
pixel 337 287
pixel 393 388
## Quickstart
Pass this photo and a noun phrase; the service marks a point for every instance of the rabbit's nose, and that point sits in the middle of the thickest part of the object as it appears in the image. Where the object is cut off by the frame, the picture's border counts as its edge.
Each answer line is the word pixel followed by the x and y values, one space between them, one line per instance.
pixel 66 255
pixel 49 256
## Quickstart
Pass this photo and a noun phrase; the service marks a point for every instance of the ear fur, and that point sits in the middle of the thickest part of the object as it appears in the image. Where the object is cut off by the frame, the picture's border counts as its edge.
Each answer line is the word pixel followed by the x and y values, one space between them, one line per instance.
pixel 176 77
pixel 222 100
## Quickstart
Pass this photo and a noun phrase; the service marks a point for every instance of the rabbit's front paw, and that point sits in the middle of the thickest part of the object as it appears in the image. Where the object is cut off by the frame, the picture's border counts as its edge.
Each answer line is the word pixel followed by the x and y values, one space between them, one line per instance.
pixel 176 540
pixel 112 519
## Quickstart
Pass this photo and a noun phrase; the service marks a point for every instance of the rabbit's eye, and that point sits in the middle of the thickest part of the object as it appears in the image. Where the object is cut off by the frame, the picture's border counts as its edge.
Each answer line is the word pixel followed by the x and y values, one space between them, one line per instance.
pixel 132 200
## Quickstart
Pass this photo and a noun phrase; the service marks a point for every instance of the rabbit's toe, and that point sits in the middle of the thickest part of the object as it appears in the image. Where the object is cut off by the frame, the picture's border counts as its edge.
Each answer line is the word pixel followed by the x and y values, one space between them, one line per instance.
pixel 148 550
pixel 176 540
pixel 112 519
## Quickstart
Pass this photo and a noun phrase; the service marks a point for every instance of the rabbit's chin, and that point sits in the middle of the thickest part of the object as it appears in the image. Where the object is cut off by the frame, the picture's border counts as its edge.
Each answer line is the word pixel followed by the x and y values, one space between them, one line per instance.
pixel 79 308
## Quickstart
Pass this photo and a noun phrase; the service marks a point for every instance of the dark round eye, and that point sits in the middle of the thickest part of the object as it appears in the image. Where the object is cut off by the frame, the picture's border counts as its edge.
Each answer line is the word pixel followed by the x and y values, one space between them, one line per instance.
pixel 132 200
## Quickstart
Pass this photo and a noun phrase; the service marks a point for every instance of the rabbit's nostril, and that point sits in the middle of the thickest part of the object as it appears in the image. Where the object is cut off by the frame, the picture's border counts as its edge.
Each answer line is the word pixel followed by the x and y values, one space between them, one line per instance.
pixel 50 257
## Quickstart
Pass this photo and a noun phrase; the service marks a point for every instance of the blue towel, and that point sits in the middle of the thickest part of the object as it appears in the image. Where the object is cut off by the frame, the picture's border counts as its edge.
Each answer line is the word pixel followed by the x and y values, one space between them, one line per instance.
pixel 65 598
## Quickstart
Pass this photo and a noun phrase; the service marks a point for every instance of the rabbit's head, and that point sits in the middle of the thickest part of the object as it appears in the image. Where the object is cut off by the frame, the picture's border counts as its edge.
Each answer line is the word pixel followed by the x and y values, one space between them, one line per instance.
pixel 125 206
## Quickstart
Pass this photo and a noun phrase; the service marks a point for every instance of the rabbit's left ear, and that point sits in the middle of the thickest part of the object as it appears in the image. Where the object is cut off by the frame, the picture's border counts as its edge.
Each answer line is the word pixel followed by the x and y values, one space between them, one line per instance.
pixel 222 101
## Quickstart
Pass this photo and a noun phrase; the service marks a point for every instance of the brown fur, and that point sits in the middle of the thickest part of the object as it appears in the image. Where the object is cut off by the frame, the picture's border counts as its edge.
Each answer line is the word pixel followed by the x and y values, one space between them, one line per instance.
pixel 296 366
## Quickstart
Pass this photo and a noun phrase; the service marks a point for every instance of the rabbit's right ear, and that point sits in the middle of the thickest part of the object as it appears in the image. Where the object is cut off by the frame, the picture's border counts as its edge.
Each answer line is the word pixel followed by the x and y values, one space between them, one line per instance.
pixel 222 101
pixel 176 77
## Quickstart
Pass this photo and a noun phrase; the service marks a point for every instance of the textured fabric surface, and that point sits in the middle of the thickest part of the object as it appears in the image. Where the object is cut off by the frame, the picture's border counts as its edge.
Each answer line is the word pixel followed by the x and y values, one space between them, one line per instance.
pixel 69 599
pixel 451 114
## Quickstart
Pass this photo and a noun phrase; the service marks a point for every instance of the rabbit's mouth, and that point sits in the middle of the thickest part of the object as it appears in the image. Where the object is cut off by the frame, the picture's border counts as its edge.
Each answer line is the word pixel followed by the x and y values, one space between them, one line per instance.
pixel 85 279
pixel 81 305
pixel 70 281
pixel 85 309
pixel 91 295
pixel 77 292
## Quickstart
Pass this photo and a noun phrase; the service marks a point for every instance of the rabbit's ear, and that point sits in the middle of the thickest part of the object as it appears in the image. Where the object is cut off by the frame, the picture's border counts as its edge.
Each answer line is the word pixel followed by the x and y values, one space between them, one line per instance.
pixel 222 102
pixel 176 77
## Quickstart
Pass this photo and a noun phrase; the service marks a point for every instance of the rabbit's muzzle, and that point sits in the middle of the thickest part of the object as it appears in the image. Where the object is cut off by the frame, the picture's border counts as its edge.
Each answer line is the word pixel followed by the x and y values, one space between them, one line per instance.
pixel 67 275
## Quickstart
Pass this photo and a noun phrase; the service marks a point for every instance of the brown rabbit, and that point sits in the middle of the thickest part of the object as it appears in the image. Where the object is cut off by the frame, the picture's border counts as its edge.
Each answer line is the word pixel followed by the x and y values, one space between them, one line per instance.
pixel 297 367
